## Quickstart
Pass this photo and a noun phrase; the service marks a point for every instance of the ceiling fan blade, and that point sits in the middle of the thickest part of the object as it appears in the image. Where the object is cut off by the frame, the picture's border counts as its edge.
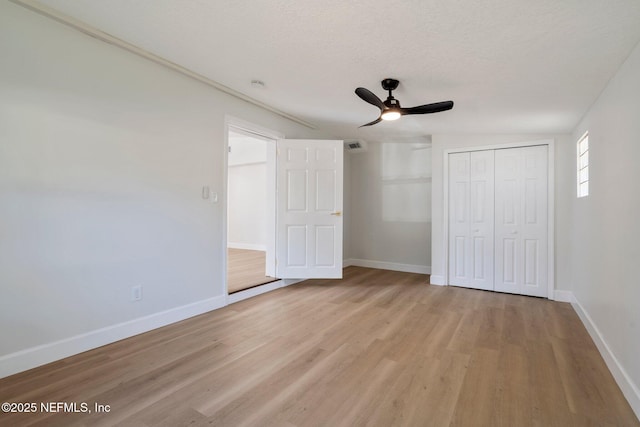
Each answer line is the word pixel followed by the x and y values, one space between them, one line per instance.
pixel 372 123
pixel 370 97
pixel 436 107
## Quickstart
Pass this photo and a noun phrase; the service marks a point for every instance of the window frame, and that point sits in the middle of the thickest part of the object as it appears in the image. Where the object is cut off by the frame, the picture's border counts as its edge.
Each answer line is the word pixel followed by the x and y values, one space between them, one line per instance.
pixel 582 166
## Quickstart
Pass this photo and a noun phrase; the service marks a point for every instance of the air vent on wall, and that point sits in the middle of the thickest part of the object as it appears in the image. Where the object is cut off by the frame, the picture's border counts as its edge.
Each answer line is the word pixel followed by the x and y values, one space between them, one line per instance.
pixel 355 145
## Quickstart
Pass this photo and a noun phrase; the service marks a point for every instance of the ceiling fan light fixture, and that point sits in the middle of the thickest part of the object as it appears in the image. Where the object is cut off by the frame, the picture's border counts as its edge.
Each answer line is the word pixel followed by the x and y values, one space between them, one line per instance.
pixel 390 115
pixel 391 109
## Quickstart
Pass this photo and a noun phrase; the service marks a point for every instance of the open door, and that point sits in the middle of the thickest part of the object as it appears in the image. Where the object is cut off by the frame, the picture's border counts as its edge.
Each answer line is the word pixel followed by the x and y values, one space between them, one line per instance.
pixel 309 209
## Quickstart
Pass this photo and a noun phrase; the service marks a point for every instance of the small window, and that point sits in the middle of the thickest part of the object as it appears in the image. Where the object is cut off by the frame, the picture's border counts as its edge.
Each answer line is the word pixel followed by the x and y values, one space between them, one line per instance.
pixel 583 165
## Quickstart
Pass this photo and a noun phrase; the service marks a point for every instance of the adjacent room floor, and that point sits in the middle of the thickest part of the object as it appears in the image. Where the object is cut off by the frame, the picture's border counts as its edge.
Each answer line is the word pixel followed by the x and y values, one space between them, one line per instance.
pixel 246 269
pixel 376 348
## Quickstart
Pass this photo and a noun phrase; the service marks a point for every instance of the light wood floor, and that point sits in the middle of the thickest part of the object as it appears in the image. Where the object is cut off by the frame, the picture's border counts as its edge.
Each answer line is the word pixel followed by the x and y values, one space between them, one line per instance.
pixel 377 348
pixel 246 269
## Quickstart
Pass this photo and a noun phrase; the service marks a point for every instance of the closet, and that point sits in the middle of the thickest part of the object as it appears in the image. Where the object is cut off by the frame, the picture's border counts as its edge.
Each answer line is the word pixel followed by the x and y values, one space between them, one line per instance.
pixel 498 231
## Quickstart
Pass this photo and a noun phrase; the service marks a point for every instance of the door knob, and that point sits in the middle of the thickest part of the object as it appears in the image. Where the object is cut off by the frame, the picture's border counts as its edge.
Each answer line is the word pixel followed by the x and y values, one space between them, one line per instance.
pixel 336 213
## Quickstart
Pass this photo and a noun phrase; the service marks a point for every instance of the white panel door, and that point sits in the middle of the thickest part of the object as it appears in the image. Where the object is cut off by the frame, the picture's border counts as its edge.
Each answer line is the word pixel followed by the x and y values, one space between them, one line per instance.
pixel 459 263
pixel 471 210
pixel 309 209
pixel 521 220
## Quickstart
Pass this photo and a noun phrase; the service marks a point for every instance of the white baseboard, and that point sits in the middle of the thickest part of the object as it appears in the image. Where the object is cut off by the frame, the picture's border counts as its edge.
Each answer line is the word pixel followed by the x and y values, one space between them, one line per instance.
pixel 258 290
pixel 437 280
pixel 626 384
pixel 562 296
pixel 247 246
pixel 46 353
pixel 347 263
pixel 383 265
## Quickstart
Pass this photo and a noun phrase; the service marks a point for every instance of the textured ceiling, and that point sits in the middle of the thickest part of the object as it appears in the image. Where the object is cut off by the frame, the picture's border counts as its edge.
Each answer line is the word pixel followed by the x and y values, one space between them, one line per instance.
pixel 510 66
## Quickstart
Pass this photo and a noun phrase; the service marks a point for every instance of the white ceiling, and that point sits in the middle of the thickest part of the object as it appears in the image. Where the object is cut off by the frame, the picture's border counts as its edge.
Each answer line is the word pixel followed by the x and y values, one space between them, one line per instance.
pixel 510 66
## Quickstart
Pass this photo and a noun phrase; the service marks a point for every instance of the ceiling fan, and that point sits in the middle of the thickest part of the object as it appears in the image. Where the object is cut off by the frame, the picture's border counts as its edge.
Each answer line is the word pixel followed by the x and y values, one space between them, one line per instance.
pixel 391 109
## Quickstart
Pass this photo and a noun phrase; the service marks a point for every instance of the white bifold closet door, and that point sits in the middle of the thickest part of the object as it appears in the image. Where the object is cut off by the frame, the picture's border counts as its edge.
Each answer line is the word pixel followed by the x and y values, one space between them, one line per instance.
pixel 471 190
pixel 521 221
pixel 498 220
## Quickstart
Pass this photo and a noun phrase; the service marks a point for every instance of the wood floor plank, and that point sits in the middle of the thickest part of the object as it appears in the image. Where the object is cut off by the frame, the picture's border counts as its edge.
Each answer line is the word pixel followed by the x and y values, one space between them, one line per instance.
pixel 477 398
pixel 465 335
pixel 434 383
pixel 512 405
pixel 378 348
pixel 490 333
pixel 548 399
pixel 586 383
pixel 246 269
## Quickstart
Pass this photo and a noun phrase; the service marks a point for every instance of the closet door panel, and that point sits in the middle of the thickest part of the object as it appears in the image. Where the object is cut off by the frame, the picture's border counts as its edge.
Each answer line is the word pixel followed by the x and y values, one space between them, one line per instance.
pixel 459 262
pixel 521 220
pixel 534 222
pixel 471 219
pixel 481 177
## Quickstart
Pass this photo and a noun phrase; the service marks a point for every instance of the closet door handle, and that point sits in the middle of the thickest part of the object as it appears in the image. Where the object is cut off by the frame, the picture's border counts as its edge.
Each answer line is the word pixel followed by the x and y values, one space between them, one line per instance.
pixel 336 213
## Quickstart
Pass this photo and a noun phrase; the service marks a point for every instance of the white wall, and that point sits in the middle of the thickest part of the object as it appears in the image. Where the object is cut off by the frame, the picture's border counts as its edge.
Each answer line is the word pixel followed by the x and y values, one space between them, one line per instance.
pixel 247 220
pixel 247 192
pixel 245 149
pixel 103 156
pixel 390 205
pixel 605 230
pixel 562 178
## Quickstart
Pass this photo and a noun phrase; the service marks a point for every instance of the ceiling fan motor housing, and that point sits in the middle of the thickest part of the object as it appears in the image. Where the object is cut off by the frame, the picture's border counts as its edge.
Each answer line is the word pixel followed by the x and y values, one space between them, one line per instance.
pixel 391 102
pixel 389 84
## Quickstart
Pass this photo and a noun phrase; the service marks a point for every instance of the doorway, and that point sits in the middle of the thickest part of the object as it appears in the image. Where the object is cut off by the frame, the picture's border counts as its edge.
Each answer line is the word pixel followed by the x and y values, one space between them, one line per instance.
pixel 250 220
pixel 302 220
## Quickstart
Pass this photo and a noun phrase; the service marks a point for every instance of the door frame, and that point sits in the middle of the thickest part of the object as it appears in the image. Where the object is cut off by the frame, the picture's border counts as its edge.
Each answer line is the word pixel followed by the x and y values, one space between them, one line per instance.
pixel 550 143
pixel 231 122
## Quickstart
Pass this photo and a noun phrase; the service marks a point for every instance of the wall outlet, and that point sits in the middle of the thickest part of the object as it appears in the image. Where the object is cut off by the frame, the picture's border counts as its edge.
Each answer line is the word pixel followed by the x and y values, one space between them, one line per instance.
pixel 136 293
